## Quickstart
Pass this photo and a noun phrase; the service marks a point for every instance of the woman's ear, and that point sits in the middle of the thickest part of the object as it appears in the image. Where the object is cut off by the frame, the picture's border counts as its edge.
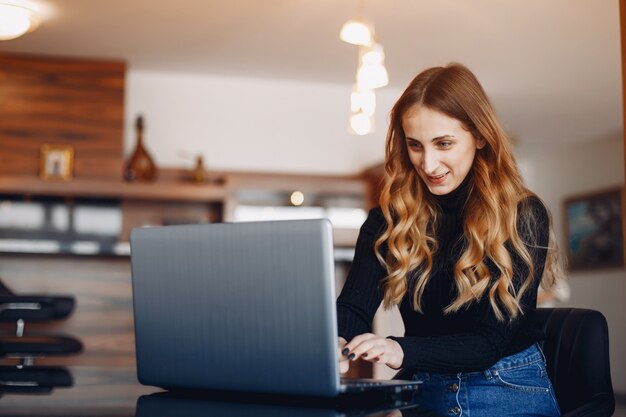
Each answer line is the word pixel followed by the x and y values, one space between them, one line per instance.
pixel 480 143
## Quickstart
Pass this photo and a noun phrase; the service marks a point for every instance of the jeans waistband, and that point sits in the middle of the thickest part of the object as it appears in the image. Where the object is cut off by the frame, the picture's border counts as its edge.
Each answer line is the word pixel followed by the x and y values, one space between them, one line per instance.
pixel 527 356
pixel 530 355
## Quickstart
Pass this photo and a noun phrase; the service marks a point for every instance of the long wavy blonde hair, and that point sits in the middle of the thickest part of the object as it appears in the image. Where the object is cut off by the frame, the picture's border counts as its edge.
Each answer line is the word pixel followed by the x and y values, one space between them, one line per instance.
pixel 497 195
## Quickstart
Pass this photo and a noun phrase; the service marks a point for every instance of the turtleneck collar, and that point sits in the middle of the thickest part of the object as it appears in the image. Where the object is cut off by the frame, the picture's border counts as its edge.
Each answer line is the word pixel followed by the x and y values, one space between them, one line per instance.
pixel 454 201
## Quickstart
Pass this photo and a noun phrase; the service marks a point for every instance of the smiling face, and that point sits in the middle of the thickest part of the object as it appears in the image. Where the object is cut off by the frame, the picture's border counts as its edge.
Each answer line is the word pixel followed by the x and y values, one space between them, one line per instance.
pixel 440 148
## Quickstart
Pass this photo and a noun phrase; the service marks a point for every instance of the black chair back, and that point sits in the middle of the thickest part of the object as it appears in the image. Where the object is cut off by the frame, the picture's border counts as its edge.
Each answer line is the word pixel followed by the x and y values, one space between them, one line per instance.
pixel 23 376
pixel 577 356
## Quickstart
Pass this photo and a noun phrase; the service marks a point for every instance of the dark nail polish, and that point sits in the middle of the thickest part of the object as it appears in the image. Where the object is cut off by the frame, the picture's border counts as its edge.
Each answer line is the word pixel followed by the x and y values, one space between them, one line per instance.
pixel 352 356
pixel 364 355
pixel 345 351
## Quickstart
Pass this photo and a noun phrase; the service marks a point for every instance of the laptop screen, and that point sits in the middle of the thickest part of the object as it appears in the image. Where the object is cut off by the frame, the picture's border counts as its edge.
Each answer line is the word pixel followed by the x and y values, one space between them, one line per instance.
pixel 240 306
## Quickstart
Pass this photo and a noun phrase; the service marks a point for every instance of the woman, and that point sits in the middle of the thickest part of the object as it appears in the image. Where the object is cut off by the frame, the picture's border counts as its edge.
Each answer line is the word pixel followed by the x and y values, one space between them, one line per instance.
pixel 460 245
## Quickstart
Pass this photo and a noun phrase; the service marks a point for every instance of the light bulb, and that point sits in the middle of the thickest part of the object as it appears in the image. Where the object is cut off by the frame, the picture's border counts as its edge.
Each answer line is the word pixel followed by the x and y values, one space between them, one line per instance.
pixel 372 72
pixel 356 32
pixel 373 55
pixel 361 123
pixel 362 100
pixel 16 20
pixel 371 76
pixel 297 198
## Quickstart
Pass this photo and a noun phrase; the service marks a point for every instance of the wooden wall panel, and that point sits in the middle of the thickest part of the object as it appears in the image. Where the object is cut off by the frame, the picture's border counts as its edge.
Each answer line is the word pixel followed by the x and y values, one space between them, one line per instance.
pixel 61 101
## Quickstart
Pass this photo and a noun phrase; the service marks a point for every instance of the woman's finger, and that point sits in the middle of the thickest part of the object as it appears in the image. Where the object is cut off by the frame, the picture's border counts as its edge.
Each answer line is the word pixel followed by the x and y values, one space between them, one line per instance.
pixel 364 349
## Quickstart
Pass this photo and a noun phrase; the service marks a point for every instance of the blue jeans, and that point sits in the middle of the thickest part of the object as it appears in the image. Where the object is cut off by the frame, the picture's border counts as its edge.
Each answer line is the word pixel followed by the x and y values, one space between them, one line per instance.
pixel 516 385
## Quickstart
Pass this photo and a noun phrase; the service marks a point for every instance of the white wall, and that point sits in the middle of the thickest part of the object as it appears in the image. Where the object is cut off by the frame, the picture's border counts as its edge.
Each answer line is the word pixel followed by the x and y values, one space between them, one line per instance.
pixel 249 124
pixel 555 172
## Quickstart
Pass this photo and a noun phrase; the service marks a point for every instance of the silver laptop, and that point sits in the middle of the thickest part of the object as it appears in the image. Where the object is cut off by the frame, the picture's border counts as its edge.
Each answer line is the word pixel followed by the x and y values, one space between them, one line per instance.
pixel 240 306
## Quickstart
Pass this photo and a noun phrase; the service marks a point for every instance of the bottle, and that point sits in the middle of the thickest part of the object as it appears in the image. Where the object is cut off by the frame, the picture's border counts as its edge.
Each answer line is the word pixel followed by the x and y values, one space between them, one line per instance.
pixel 198 175
pixel 140 166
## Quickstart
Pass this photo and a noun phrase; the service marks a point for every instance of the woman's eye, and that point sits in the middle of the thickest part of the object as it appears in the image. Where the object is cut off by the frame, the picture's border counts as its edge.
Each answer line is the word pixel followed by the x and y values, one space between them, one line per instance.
pixel 415 146
pixel 445 144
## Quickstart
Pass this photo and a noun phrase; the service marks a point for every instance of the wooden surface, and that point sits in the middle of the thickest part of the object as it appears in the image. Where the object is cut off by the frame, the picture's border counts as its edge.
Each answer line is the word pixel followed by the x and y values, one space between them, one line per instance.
pixel 162 190
pixel 97 391
pixel 171 186
pixel 46 100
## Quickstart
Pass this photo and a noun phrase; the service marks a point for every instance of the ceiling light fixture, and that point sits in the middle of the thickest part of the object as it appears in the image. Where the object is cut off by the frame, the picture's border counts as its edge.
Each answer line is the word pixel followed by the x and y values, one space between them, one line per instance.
pixel 371 71
pixel 361 123
pixel 17 18
pixel 357 31
pixel 362 100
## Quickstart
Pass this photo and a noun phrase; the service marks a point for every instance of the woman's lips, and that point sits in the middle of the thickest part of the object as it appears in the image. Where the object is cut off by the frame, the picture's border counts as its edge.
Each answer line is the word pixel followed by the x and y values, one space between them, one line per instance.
pixel 437 179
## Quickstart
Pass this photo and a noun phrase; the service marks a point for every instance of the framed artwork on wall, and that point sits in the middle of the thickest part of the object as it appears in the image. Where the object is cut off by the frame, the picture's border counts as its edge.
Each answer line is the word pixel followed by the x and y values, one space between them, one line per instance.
pixel 593 230
pixel 56 162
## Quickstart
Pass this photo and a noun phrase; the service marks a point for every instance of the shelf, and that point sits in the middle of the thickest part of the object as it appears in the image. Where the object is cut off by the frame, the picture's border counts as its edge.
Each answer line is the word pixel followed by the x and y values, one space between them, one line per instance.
pixel 161 190
pixel 169 200
pixel 170 186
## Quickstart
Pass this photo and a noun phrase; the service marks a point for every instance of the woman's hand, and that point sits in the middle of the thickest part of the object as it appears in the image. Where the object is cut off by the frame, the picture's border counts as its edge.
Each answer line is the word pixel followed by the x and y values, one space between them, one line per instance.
pixel 344 363
pixel 373 348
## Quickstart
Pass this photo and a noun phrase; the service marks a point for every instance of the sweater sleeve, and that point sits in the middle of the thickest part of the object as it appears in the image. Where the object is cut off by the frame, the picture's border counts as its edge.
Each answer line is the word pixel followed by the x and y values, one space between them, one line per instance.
pixel 362 293
pixel 486 339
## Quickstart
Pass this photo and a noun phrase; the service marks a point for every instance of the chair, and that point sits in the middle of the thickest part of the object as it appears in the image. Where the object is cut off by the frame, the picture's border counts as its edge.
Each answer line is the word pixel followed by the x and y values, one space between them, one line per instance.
pixel 577 356
pixel 19 309
pixel 576 348
pixel 33 379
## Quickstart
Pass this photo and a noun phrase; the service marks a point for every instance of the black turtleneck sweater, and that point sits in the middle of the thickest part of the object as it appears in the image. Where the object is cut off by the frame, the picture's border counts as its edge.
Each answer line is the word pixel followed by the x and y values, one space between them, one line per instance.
pixel 470 339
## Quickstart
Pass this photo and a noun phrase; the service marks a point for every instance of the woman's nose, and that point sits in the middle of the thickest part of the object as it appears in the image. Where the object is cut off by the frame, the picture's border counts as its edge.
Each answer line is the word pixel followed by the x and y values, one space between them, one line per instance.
pixel 430 162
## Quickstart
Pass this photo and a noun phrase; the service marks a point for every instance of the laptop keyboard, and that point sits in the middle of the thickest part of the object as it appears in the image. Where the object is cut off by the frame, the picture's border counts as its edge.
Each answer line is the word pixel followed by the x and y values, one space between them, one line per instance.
pixel 360 383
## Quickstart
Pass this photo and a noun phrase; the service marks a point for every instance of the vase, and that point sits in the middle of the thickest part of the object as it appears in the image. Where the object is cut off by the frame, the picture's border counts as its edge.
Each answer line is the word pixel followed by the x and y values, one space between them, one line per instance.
pixel 140 166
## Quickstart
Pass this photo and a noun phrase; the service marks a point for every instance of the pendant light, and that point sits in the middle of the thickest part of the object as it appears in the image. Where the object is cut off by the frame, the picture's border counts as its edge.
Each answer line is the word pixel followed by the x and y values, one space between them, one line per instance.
pixel 371 71
pixel 362 100
pixel 357 31
pixel 17 18
pixel 360 123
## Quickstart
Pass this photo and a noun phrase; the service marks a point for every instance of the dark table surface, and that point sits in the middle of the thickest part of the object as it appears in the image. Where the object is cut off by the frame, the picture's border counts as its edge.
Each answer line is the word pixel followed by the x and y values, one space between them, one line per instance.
pixel 115 392
pixel 97 391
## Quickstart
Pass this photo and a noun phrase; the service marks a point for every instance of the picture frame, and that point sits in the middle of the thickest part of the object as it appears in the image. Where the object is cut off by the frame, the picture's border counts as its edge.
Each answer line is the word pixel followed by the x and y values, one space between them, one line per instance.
pixel 593 230
pixel 56 162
